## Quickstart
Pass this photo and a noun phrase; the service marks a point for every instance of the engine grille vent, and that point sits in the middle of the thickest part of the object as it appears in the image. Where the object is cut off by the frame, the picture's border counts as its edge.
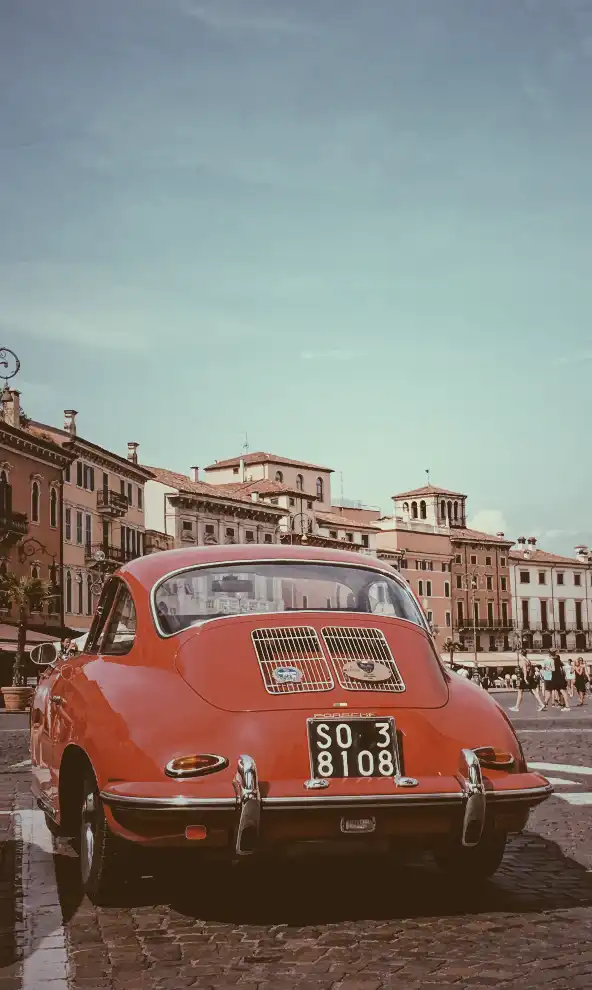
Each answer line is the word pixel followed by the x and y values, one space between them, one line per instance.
pixel 346 646
pixel 296 648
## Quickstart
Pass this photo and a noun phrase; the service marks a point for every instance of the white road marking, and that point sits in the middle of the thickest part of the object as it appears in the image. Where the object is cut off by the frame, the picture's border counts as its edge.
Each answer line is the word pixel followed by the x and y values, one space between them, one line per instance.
pixel 558 781
pixel 46 957
pixel 562 768
pixel 18 766
pixel 581 799
pixel 523 732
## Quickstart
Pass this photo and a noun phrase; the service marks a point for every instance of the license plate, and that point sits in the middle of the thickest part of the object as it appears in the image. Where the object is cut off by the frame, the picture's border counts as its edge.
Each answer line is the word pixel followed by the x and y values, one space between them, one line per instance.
pixel 357 747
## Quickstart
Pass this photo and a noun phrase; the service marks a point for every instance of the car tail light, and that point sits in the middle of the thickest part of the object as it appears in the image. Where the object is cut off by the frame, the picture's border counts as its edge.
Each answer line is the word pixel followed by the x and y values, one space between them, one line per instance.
pixel 494 759
pixel 195 766
pixel 196 832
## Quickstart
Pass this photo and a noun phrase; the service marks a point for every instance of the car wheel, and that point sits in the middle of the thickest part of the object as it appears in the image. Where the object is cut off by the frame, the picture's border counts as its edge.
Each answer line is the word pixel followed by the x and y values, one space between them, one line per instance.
pixel 100 851
pixel 472 864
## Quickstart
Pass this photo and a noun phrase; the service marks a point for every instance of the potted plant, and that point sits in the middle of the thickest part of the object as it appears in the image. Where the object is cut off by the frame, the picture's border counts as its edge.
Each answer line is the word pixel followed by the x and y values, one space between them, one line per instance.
pixel 26 593
pixel 451 646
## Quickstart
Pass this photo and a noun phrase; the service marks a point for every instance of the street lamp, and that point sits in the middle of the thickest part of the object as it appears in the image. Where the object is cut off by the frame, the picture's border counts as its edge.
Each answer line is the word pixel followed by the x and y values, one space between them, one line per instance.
pixel 305 526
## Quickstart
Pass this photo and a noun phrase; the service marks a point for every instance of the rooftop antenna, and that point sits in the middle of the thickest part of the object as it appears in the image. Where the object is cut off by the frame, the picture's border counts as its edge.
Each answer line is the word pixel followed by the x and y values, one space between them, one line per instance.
pixel 246 444
pixel 428 475
pixel 341 476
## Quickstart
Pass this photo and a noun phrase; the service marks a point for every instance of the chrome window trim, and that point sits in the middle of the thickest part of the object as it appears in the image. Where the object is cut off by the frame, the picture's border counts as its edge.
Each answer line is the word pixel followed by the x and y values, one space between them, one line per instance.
pixel 420 624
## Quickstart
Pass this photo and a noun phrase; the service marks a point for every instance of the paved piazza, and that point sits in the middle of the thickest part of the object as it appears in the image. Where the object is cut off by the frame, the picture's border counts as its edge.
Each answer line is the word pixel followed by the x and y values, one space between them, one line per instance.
pixel 338 925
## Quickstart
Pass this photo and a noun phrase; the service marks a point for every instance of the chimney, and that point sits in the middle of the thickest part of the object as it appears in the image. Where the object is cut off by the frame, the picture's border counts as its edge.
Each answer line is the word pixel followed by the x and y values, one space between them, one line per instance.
pixel 132 451
pixel 11 407
pixel 194 473
pixel 501 535
pixel 532 541
pixel 70 421
pixel 254 496
pixel 242 469
pixel 521 540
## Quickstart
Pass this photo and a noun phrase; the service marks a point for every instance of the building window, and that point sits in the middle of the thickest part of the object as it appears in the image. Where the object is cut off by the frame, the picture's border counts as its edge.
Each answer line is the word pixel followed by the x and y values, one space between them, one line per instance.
pixel 309 505
pixel 279 476
pixel 456 511
pixel 420 589
pixel 235 470
pixel 430 616
pixel 578 580
pixel 422 510
pixel 68 524
pixel 274 501
pixel 504 584
pixel 502 561
pixel 525 615
pixel 473 558
pixel 35 501
pixel 210 533
pixel 68 592
pixel 490 613
pixel 250 536
pixel 53 508
pixel 404 563
pixel 458 559
pixel 130 491
pixel 140 498
pixel 489 582
pixel 299 483
pixel 268 538
pixel 505 613
pixel 68 473
pixel 349 537
pixel 459 580
pixel 460 613
pixel 229 534
pixel 414 510
pixel 476 612
pixel 524 577
pixel 79 475
pixel 405 506
pixel 366 541
pixel 333 534
pixel 292 501
pixel 320 489
pixel 447 589
pixel 88 529
pixel 79 528
pixel 560 577
pixel 492 643
pixel 429 589
pixel 447 619
pixel 488 561
pixel 430 565
pixel 579 615
pixel 542 577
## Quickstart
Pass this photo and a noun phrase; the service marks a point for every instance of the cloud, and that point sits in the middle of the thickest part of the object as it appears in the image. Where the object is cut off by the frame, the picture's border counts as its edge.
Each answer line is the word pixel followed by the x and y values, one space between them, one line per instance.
pixel 573 358
pixel 489 521
pixel 230 15
pixel 336 355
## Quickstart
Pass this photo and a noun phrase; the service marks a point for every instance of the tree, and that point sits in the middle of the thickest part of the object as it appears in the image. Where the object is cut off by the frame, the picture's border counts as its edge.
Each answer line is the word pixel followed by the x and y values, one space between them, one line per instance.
pixel 451 646
pixel 27 593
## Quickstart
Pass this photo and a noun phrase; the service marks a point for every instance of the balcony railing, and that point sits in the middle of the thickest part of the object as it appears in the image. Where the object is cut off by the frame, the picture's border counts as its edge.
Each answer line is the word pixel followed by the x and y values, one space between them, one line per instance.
pixel 13 526
pixel 470 623
pixel 112 504
pixel 113 556
pixel 552 626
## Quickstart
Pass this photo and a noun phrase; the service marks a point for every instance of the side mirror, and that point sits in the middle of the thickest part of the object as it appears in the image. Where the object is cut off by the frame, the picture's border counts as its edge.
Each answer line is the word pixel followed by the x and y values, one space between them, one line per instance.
pixel 44 654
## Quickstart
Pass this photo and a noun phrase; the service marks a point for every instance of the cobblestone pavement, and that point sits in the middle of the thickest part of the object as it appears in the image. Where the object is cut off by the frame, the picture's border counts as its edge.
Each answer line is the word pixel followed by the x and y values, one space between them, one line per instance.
pixel 331 925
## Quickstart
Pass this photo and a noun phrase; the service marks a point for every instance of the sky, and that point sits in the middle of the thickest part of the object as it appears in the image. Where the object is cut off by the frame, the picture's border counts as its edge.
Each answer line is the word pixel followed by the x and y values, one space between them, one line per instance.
pixel 356 231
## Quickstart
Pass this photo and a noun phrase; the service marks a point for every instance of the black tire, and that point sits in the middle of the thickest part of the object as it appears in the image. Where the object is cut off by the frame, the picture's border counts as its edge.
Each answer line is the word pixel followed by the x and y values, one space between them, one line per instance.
pixel 472 864
pixel 102 854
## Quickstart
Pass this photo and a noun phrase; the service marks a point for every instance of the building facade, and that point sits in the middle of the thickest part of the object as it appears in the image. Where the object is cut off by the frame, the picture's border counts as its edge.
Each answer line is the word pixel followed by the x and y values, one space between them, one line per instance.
pixel 300 476
pixel 481 591
pixel 552 598
pixel 31 479
pixel 103 516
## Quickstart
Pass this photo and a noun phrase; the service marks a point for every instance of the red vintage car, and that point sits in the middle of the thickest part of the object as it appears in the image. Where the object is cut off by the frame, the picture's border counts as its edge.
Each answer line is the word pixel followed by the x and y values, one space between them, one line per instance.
pixel 271 699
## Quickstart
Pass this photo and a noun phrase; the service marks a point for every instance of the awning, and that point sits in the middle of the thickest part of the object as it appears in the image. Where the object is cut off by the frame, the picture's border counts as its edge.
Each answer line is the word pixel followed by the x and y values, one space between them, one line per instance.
pixel 9 638
pixel 493 660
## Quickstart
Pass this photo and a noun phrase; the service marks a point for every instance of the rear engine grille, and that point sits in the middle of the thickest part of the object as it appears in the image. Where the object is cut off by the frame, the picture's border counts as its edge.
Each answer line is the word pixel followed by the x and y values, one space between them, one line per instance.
pixel 292 647
pixel 347 645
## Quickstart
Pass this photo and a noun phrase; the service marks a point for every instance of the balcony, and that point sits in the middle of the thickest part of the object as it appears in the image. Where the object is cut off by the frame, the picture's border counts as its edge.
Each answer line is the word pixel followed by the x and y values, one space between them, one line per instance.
pixel 13 526
pixel 103 553
pixel 112 505
pixel 552 626
pixel 501 625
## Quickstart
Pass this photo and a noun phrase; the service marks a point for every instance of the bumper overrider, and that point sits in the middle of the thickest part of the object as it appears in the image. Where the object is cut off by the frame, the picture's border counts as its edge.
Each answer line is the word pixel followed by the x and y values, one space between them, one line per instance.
pixel 472 800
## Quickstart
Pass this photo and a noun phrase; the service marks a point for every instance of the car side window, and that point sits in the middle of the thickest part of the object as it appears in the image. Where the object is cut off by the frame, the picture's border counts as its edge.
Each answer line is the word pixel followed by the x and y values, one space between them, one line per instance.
pixel 120 631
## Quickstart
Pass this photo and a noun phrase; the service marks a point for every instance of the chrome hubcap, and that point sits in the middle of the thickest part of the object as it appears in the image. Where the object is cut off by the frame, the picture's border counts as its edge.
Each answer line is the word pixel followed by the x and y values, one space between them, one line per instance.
pixel 87 836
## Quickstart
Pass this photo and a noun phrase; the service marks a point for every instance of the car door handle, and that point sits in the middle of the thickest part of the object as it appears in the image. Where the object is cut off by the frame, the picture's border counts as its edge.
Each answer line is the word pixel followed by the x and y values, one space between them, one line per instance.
pixel 56 699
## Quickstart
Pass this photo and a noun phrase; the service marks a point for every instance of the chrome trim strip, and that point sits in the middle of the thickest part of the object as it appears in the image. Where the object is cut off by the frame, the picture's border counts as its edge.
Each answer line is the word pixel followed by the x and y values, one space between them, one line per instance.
pixel 371 800
pixel 167 803
pixel 246 785
pixel 389 572
pixel 474 816
pixel 525 794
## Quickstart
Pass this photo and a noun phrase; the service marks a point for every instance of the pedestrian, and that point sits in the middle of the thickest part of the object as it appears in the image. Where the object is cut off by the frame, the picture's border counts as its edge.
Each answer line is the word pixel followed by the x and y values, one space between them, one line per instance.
pixel 581 679
pixel 463 672
pixel 68 649
pixel 526 681
pixel 557 683
pixel 514 680
pixel 508 680
pixel 570 677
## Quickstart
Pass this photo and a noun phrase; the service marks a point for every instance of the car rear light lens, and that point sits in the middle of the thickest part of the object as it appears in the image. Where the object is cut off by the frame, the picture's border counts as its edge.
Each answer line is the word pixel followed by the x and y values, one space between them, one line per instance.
pixel 196 832
pixel 494 759
pixel 195 766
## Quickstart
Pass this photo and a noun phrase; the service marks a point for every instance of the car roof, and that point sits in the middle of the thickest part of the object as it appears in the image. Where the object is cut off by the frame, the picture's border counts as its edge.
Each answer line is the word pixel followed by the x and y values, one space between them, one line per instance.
pixel 151 568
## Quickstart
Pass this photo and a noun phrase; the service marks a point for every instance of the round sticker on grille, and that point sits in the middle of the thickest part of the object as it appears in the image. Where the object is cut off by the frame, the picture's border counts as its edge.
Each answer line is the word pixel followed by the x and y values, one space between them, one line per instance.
pixel 287 675
pixel 367 670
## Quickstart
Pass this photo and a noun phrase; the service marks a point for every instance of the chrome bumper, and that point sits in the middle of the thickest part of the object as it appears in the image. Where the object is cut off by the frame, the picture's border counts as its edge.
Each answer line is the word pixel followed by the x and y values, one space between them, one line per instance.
pixel 248 803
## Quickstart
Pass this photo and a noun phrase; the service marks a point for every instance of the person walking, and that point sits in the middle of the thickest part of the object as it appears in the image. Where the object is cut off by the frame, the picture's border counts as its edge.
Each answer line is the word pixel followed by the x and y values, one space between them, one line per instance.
pixel 570 677
pixel 526 681
pixel 557 684
pixel 581 679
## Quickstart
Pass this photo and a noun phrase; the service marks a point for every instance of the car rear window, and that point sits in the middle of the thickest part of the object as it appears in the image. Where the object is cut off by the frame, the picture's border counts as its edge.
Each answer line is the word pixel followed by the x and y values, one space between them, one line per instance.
pixel 195 595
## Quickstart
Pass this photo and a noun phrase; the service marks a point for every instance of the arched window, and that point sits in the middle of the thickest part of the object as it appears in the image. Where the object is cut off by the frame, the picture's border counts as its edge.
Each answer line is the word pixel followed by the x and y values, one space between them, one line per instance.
pixel 279 476
pixel 299 483
pixel 443 509
pixel 422 510
pixel 414 510
pixel 35 572
pixel 456 511
pixel 35 500
pixel 320 489
pixel 68 592
pixel 53 508
pixel 450 511
pixel 405 506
